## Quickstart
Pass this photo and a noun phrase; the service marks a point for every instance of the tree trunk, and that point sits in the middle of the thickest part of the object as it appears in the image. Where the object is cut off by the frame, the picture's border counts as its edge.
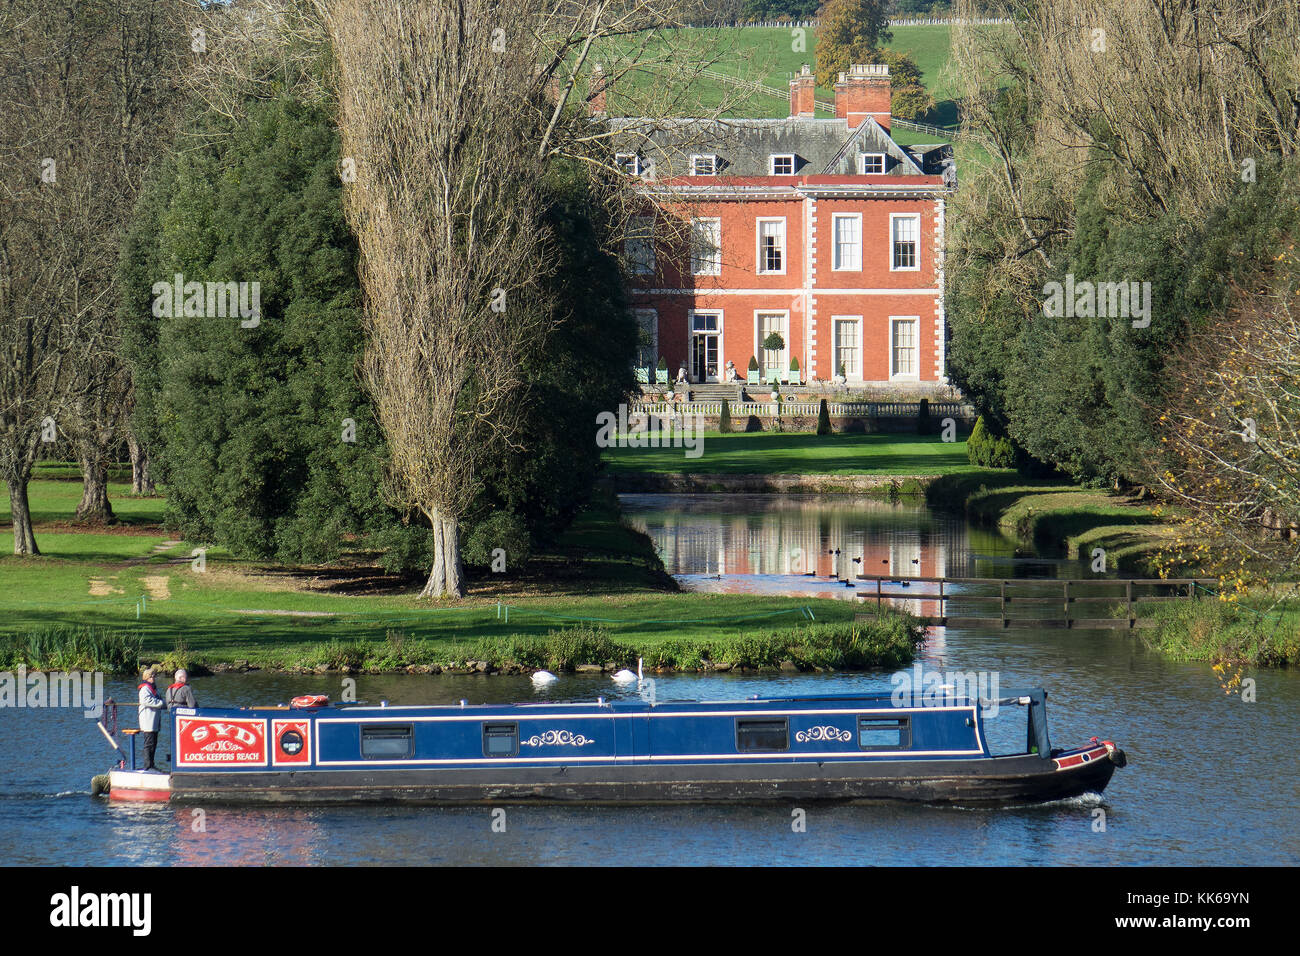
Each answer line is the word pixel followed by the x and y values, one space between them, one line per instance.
pixel 141 479
pixel 94 504
pixel 24 537
pixel 447 578
pixel 455 571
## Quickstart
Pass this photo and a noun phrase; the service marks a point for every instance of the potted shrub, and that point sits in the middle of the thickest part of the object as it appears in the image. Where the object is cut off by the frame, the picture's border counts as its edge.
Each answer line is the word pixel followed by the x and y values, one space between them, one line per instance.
pixel 774 342
pixel 840 377
pixel 751 378
pixel 794 371
pixel 661 372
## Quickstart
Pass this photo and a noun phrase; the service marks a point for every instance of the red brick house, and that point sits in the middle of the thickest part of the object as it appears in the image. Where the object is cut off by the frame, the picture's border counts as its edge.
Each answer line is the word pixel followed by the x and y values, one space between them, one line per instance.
pixel 822 230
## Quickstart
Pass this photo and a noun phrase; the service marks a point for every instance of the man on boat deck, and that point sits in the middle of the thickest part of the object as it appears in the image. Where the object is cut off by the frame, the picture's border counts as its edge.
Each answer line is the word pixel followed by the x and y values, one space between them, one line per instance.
pixel 150 706
pixel 180 694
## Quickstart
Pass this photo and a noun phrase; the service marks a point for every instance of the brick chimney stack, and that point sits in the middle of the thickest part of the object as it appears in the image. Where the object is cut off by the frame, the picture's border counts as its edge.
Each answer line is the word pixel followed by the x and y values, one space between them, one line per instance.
pixel 596 94
pixel 802 91
pixel 864 91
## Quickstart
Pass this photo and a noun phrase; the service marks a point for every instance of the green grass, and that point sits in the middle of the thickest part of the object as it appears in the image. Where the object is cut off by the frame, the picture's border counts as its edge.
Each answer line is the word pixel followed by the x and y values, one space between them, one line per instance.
pixel 801 453
pixel 766 55
pixel 885 641
pixel 1055 514
pixel 202 617
pixel 1227 633
pixel 601 573
pixel 55 490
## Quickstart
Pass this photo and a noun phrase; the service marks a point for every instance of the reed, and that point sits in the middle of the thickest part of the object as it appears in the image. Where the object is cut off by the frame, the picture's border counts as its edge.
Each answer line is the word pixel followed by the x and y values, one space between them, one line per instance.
pixel 109 650
pixel 1223 632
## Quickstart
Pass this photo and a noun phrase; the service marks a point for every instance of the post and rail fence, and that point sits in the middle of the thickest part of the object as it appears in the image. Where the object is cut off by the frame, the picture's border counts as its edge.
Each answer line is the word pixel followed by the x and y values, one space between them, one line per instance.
pixel 992 602
pixel 824 105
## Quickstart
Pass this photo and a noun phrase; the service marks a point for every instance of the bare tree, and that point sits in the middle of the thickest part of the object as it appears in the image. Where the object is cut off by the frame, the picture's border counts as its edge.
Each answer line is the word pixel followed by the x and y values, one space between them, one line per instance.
pixel 1231 430
pixel 453 113
pixel 138 48
pixel 1172 98
pixel 52 227
pixel 443 129
pixel 77 83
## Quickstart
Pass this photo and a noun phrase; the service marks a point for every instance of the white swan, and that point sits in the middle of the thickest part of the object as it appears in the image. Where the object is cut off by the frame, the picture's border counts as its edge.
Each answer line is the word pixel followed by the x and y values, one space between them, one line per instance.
pixel 625 676
pixel 544 677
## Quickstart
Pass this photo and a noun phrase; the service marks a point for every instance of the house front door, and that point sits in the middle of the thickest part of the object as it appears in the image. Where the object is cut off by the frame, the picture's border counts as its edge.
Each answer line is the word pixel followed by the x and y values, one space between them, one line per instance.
pixel 705 333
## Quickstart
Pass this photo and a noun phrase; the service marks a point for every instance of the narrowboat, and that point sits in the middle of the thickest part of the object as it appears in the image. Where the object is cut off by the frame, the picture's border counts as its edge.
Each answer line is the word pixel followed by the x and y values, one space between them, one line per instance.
pixel 617 751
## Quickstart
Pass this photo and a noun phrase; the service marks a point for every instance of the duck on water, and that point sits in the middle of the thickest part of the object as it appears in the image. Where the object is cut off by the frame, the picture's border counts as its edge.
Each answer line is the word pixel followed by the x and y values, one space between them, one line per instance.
pixel 832 748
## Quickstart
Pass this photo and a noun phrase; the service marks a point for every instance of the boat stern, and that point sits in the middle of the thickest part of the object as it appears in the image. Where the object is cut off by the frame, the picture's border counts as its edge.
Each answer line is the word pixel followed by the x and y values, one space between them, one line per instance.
pixel 139 786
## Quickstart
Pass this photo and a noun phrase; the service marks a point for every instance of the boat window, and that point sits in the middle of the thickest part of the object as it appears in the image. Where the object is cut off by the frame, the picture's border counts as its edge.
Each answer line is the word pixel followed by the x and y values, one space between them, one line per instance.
pixel 884 733
pixel 500 740
pixel 767 734
pixel 387 741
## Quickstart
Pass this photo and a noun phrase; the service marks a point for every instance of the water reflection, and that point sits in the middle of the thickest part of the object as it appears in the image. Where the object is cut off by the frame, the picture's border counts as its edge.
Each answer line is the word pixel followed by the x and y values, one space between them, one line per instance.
pixel 832 535
pixel 816 546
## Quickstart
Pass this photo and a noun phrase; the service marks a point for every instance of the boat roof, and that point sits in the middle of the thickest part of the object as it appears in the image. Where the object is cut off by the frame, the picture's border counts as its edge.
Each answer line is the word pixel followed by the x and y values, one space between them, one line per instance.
pixel 1014 696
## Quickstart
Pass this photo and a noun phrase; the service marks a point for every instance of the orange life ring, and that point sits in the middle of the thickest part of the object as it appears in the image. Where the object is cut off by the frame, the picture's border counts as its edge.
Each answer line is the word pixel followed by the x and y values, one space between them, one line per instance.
pixel 310 700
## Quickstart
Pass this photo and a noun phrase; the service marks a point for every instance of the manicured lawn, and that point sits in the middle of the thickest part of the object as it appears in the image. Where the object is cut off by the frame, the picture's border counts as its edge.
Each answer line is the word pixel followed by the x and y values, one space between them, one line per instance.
pixel 1054 513
pixel 804 453
pixel 55 490
pixel 600 572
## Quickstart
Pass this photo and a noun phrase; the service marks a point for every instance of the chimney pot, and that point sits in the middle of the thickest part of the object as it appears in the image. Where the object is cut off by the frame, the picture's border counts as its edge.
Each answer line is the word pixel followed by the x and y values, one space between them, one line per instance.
pixel 598 85
pixel 803 91
pixel 864 91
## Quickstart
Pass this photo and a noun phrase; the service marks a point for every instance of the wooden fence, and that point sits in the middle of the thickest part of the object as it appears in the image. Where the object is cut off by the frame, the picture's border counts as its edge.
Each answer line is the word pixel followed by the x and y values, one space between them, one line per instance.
pixel 998 599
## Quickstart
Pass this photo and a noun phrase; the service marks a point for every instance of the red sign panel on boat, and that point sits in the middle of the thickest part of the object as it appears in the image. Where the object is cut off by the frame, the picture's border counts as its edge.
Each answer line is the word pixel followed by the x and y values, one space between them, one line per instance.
pixel 220 742
pixel 292 741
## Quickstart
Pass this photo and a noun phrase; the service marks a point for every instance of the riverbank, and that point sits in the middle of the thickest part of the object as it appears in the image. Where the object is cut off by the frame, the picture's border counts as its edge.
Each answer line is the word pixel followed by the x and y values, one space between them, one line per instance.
pixel 786 454
pixel 754 642
pixel 110 597
pixel 1052 515
pixel 889 487
pixel 1228 634
pixel 1055 516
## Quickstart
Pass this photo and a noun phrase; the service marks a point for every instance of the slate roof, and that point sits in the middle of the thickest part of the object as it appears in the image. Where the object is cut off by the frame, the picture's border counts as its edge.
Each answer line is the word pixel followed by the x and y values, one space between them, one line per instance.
pixel 744 146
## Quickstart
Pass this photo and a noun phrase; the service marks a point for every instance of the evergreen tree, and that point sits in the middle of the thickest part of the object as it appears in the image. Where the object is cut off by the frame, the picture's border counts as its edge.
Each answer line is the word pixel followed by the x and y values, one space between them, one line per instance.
pixel 823 419
pixel 264 435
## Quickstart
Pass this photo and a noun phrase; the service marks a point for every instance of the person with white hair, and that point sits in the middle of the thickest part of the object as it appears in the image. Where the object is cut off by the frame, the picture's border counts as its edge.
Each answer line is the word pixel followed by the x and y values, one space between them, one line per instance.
pixel 181 694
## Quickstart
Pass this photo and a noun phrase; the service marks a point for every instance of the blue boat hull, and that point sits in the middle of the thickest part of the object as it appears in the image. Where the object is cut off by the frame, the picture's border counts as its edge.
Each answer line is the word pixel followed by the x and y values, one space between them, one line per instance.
pixel 995 780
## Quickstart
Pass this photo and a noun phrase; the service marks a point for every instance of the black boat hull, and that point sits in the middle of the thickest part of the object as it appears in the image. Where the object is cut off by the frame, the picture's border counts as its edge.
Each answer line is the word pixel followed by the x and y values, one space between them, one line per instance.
pixel 996 780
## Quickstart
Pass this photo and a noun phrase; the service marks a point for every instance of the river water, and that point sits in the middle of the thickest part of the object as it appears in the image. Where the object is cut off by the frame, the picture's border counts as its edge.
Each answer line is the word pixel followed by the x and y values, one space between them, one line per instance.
pixel 1211 779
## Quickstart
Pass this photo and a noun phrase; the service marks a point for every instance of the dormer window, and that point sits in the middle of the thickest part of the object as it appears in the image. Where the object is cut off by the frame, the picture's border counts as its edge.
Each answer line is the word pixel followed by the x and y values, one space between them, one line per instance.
pixel 704 165
pixel 871 164
pixel 629 164
pixel 782 164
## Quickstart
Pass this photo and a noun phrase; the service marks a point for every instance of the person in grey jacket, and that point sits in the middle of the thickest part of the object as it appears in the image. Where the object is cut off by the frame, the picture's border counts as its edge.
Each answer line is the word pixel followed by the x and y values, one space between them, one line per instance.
pixel 181 694
pixel 151 706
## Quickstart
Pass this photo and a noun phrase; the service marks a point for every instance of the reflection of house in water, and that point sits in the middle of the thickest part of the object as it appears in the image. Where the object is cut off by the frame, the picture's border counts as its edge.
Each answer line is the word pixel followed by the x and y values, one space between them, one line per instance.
pixel 770 535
